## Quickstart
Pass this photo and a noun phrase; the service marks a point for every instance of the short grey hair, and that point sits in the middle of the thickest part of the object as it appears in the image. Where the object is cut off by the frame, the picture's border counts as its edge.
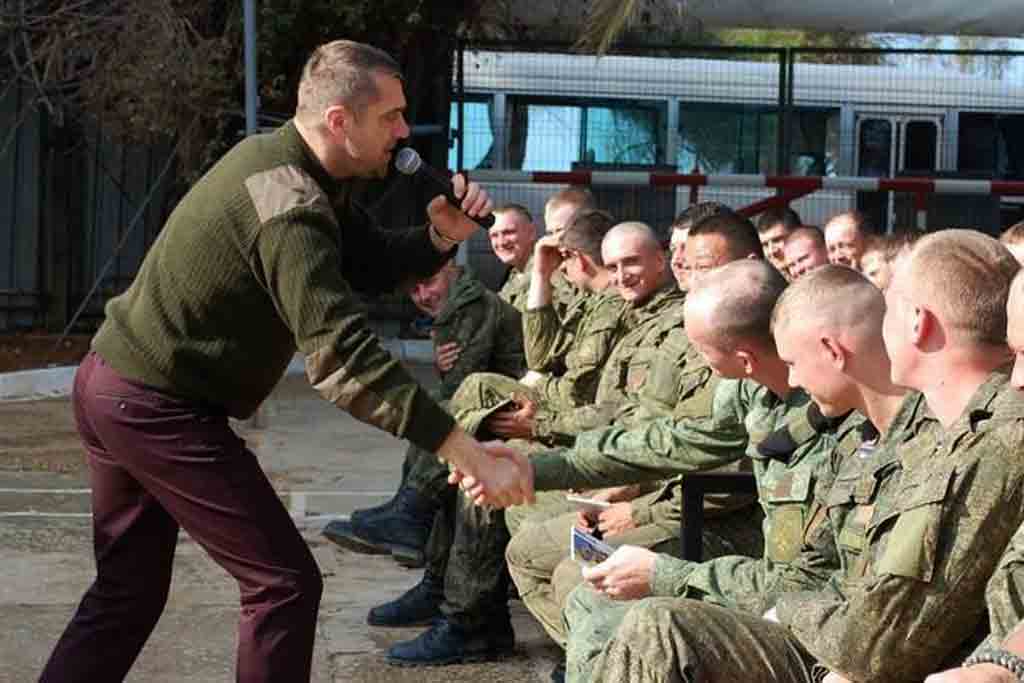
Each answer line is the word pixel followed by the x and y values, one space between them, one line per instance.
pixel 342 72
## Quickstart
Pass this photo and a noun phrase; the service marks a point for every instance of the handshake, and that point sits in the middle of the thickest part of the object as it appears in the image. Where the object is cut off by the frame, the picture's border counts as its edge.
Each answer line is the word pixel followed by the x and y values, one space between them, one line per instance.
pixel 489 473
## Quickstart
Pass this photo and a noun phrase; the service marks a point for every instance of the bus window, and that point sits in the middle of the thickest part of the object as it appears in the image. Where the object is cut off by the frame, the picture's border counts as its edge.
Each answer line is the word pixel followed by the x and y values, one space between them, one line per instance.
pixel 874 147
pixel 724 139
pixel 478 135
pixel 921 141
pixel 814 142
pixel 991 145
pixel 621 136
pixel 738 139
pixel 553 135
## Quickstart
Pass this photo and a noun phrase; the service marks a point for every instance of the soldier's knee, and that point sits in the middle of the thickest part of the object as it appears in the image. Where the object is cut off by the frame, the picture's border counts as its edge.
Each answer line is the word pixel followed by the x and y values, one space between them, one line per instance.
pixel 566 577
pixel 519 550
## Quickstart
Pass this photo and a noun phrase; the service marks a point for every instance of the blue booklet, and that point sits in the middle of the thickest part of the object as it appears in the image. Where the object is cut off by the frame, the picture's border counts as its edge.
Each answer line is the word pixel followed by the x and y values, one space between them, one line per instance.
pixel 586 549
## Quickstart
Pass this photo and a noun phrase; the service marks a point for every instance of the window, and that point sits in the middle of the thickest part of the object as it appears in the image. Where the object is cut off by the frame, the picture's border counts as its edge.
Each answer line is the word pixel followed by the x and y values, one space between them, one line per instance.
pixel 478 135
pixel 547 134
pixel 992 145
pixel 875 145
pixel 722 138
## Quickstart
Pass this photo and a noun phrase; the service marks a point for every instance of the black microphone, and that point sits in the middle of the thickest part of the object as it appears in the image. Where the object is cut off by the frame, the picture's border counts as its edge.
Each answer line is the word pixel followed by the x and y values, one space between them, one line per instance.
pixel 408 162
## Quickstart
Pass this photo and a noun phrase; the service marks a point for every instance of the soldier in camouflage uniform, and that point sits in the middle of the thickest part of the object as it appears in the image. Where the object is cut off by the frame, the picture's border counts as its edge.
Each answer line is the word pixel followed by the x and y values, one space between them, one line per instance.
pixel 910 596
pixel 538 554
pixel 1004 594
pixel 512 238
pixel 832 303
pixel 489 333
pixel 578 346
pixel 475 622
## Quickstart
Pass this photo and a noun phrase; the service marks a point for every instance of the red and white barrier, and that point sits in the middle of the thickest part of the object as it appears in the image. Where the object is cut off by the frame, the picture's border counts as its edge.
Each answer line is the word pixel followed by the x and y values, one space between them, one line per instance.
pixel 789 188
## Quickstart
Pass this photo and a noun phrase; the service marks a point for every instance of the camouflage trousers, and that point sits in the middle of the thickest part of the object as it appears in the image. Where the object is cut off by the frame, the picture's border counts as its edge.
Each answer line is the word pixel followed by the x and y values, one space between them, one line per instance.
pixel 481 394
pixel 425 473
pixel 677 640
pixel 545 575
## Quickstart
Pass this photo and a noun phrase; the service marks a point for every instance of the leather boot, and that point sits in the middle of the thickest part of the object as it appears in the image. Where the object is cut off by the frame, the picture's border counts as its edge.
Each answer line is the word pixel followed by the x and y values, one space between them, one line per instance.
pixel 401 531
pixel 418 606
pixel 365 516
pixel 446 642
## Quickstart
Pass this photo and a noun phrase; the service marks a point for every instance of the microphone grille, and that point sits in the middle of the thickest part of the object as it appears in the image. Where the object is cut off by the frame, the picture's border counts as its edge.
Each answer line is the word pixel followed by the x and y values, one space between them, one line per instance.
pixel 407 161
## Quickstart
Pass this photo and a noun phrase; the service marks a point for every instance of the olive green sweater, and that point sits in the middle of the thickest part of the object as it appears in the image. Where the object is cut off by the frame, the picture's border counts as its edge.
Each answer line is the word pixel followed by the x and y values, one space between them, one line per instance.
pixel 253 264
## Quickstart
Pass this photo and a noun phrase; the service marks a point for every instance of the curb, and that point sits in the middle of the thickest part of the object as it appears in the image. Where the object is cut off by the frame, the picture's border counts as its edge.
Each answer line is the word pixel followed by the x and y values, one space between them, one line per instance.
pixel 33 385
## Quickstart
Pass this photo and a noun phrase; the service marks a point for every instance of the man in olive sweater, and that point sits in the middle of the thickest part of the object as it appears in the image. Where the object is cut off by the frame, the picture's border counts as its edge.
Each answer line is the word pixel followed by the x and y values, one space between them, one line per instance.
pixel 252 264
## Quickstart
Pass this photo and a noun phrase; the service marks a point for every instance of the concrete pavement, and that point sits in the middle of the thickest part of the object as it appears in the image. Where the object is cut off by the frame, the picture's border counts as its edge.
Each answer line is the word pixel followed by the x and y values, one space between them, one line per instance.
pixel 321 461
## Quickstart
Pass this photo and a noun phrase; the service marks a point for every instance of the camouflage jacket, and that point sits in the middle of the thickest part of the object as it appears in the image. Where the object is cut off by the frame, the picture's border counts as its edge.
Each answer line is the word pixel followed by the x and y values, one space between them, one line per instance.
pixel 597 326
pixel 938 508
pixel 741 414
pixel 789 446
pixel 622 393
pixel 1004 595
pixel 517 286
pixel 488 331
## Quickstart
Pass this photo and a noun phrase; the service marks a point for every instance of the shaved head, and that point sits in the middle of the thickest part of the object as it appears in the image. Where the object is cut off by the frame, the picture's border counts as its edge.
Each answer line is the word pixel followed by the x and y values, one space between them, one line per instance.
pixel 635 230
pixel 736 301
pixel 964 276
pixel 633 255
pixel 836 298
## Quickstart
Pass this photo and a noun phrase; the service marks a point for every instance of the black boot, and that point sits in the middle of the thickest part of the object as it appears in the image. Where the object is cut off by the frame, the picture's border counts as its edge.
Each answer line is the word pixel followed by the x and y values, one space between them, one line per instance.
pixel 558 673
pixel 418 606
pixel 401 531
pixel 449 643
pixel 365 516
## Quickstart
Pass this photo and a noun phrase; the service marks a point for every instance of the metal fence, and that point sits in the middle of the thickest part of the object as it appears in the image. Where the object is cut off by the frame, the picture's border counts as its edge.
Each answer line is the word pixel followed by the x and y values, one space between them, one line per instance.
pixel 663 126
pixel 526 115
pixel 77 213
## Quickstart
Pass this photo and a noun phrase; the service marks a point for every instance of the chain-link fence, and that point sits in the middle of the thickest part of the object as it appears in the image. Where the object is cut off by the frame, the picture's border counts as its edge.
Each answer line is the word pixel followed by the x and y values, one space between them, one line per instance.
pixel 945 115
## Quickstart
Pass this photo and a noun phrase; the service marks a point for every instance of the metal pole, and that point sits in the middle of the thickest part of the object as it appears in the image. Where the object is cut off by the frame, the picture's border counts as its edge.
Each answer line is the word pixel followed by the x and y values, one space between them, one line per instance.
pixel 251 97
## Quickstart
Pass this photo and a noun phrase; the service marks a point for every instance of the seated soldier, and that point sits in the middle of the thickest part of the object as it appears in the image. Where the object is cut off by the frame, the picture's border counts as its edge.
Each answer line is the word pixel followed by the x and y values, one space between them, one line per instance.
pixel 773 226
pixel 913 598
pixel 512 238
pixel 846 235
pixel 474 620
pixel 558 212
pixel 538 554
pixel 880 252
pixel 805 250
pixel 998 659
pixel 406 531
pixel 828 331
pixel 489 333
pixel 758 415
pixel 680 230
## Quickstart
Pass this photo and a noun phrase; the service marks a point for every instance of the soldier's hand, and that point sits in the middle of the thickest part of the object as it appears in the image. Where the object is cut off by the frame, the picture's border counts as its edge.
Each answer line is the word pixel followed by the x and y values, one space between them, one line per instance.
pixel 514 424
pixel 547 256
pixel 586 521
pixel 626 575
pixel 445 356
pixel 616 519
pixel 456 222
pixel 979 673
pixel 503 477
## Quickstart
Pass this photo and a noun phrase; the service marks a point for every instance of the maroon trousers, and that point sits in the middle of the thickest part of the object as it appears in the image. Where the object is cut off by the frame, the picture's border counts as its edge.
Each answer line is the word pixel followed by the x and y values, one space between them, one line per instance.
pixel 157 463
